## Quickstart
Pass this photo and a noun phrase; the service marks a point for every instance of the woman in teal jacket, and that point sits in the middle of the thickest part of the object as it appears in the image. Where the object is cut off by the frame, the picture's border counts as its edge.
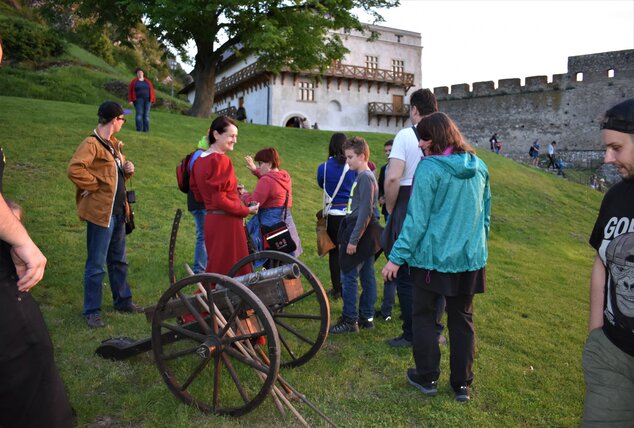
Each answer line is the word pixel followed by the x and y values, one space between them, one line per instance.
pixel 444 241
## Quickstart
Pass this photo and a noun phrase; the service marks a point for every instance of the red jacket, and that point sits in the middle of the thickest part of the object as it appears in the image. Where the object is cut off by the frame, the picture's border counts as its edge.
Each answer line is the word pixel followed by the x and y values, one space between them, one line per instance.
pixel 132 92
pixel 270 190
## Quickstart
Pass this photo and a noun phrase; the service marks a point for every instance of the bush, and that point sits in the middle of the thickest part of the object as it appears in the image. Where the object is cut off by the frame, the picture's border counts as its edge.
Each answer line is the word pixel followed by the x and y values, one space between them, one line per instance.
pixel 27 41
pixel 95 40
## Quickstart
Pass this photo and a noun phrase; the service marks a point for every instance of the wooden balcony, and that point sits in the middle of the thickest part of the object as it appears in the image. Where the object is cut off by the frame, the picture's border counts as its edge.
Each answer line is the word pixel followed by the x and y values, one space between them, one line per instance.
pixel 232 112
pixel 247 77
pixel 379 75
pixel 253 75
pixel 388 111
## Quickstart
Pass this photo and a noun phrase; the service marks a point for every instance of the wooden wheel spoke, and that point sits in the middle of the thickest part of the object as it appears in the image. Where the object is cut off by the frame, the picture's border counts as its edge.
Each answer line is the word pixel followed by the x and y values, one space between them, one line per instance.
pixel 294 332
pixel 194 312
pixel 301 297
pixel 199 368
pixel 198 337
pixel 250 361
pixel 231 319
pixel 236 378
pixel 179 354
pixel 277 315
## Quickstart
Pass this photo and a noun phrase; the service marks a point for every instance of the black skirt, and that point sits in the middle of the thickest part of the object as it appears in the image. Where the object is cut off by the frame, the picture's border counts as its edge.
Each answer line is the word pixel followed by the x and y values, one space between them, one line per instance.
pixel 450 284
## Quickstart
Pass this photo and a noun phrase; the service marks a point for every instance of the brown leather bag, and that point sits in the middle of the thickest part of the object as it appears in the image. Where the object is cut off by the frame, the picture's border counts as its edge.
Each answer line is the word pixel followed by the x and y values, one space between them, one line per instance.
pixel 324 243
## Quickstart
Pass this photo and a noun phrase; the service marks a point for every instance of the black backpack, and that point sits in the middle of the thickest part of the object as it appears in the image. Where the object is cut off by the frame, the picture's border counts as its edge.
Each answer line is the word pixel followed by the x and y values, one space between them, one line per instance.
pixel 182 172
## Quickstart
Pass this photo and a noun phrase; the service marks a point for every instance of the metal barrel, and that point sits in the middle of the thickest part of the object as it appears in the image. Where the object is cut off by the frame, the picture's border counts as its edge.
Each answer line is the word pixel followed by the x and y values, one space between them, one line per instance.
pixel 287 271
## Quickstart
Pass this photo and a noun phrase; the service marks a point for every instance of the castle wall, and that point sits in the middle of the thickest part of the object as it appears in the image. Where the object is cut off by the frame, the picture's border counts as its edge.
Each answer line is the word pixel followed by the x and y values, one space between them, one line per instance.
pixel 564 110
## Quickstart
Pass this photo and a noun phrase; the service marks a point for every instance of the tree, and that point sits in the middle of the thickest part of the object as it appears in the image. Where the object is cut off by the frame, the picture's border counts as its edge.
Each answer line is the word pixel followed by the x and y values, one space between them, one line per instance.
pixel 290 34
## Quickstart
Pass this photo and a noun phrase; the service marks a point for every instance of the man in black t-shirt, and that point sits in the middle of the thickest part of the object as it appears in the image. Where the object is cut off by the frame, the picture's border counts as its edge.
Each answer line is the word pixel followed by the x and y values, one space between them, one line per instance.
pixel 608 356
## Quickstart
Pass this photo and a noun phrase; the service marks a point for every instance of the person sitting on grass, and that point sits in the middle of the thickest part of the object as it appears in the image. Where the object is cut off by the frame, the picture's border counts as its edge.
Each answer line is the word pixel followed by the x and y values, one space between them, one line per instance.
pixel 359 241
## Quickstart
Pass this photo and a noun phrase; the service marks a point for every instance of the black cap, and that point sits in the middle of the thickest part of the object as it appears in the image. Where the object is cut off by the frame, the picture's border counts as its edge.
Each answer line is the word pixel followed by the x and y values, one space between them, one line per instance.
pixel 109 110
pixel 620 117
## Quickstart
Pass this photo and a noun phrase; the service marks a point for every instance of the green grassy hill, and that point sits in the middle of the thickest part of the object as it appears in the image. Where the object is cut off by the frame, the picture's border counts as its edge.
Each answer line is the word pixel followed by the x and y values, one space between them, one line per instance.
pixel 531 322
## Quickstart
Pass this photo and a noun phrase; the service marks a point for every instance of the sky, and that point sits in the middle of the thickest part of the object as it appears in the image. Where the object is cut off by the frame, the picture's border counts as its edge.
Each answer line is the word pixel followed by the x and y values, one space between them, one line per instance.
pixel 475 41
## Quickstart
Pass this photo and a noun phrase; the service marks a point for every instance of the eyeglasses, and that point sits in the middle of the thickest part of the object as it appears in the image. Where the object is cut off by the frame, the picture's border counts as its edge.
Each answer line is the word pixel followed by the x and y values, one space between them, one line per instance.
pixel 122 119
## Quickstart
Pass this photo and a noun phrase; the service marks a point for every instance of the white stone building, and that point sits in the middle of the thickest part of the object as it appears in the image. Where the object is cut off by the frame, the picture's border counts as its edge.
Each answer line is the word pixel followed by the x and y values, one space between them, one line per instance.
pixel 367 90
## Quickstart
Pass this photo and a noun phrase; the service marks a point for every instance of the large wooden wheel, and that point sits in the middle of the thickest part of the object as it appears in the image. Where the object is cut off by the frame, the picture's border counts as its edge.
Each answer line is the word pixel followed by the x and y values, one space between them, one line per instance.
pixel 302 322
pixel 224 355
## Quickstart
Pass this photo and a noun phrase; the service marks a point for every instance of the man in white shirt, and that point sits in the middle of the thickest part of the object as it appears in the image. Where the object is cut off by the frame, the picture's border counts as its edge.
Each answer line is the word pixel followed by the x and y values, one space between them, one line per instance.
pixel 403 161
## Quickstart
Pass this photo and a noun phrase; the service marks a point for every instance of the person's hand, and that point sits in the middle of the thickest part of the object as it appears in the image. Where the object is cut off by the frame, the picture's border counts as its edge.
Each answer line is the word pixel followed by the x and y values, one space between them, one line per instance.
pixel 29 265
pixel 128 167
pixel 131 103
pixel 381 200
pixel 253 209
pixel 351 249
pixel 240 189
pixel 389 271
pixel 250 164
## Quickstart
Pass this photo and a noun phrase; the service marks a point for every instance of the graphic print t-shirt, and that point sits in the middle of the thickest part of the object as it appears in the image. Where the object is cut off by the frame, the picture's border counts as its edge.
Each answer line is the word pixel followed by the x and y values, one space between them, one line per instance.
pixel 613 238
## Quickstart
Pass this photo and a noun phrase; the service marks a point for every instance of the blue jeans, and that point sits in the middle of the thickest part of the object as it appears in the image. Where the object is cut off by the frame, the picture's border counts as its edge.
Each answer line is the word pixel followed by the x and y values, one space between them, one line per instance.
pixel 200 253
pixel 106 245
pixel 365 272
pixel 142 108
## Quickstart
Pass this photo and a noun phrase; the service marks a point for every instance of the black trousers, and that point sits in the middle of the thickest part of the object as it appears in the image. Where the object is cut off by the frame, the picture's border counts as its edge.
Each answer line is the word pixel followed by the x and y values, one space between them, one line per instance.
pixel 31 391
pixel 425 334
pixel 332 227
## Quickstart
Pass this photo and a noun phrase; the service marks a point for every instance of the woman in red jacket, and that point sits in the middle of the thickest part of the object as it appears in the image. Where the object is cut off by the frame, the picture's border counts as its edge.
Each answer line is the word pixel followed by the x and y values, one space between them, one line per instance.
pixel 273 190
pixel 141 95
pixel 213 181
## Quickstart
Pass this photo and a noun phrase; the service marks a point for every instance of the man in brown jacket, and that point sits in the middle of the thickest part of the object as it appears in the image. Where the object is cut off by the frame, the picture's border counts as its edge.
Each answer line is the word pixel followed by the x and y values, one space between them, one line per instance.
pixel 99 171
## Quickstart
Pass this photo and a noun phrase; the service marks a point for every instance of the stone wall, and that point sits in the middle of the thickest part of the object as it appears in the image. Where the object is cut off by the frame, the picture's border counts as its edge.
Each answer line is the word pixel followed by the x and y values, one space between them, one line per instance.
pixel 567 109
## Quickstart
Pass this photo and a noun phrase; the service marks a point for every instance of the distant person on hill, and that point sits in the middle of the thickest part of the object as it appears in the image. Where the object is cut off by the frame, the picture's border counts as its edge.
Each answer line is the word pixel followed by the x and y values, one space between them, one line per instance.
pixel 534 152
pixel 403 161
pixel 141 96
pixel 99 170
pixel 608 355
pixel 551 156
pixel 32 393
pixel 493 140
pixel 335 178
pixel 443 243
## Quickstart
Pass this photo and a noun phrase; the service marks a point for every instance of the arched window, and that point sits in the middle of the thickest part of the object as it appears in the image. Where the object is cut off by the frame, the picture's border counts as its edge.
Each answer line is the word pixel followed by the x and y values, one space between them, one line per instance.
pixel 611 73
pixel 579 77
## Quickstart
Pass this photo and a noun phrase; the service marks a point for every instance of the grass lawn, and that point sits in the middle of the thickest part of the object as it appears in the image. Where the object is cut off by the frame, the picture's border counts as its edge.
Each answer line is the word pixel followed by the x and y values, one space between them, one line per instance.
pixel 531 322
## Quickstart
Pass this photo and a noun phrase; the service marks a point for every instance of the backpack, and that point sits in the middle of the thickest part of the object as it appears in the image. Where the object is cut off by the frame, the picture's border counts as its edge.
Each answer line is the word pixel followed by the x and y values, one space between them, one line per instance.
pixel 531 151
pixel 182 172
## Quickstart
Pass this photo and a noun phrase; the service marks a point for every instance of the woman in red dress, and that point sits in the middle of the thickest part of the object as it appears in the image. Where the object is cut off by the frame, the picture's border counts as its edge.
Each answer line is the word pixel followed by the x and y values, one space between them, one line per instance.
pixel 214 182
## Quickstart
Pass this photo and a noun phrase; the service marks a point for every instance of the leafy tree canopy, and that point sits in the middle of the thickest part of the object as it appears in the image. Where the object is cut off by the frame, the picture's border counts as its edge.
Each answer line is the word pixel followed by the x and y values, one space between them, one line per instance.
pixel 283 33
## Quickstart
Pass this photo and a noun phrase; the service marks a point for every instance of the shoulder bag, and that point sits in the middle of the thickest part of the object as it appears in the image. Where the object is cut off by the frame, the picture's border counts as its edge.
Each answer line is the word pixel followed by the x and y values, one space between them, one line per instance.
pixel 277 236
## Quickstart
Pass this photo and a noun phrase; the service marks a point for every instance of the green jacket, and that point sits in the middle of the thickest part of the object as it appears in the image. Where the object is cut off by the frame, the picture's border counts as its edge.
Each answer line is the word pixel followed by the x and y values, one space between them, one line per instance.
pixel 447 223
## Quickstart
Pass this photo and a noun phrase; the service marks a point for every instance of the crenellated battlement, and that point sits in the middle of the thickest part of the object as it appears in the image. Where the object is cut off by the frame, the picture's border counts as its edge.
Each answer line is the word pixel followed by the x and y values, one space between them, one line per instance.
pixel 606 67
pixel 567 109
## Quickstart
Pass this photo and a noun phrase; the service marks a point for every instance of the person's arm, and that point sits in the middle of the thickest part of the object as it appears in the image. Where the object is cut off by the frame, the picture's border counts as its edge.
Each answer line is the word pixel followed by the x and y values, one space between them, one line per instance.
pixel 393 175
pixel 78 167
pixel 597 294
pixel 152 93
pixel 27 257
pixel 131 94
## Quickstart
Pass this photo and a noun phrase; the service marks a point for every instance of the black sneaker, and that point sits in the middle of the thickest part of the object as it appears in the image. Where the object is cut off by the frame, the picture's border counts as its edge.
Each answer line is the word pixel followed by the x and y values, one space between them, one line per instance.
pixel 399 342
pixel 94 320
pixel 344 326
pixel 462 393
pixel 428 388
pixel 379 315
pixel 366 323
pixel 132 308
